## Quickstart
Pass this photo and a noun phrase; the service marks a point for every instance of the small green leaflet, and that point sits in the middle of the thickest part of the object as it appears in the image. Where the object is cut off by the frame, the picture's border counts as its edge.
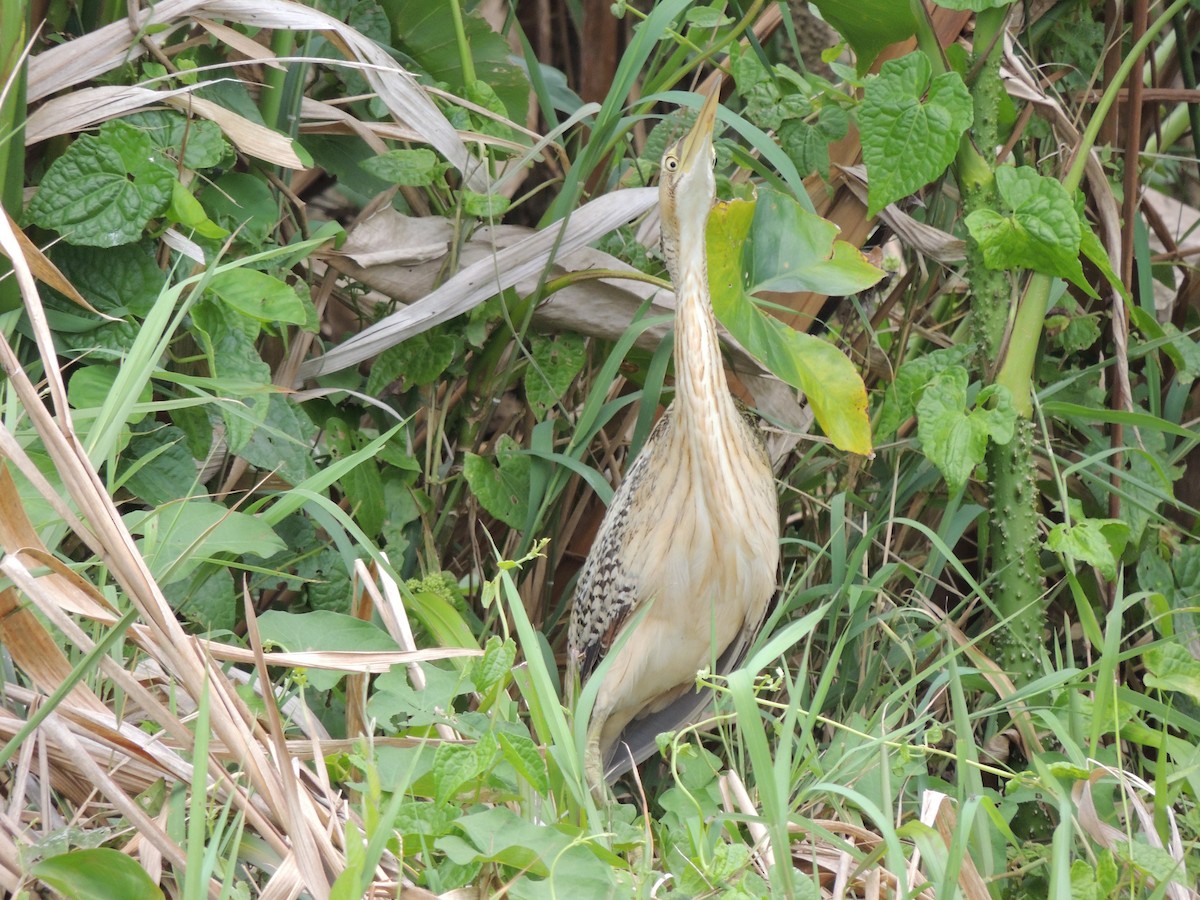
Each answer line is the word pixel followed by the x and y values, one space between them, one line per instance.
pixel 954 438
pixel 777 245
pixel 1039 230
pixel 1094 542
pixel 911 123
pixel 417 168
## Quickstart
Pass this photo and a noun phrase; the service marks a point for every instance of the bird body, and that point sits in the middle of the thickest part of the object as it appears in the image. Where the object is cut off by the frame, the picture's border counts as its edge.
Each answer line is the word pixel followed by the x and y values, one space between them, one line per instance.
pixel 686 557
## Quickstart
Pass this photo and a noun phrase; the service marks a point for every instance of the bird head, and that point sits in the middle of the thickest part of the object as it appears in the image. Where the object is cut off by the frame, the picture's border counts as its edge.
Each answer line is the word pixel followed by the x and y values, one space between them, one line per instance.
pixel 686 184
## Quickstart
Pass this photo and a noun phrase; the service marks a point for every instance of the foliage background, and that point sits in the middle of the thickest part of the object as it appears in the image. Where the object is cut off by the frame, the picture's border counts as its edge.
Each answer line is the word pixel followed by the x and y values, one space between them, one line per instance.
pixel 329 328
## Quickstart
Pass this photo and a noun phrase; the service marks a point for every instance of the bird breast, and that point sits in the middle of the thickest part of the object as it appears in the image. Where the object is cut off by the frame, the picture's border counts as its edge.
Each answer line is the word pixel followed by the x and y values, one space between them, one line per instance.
pixel 706 558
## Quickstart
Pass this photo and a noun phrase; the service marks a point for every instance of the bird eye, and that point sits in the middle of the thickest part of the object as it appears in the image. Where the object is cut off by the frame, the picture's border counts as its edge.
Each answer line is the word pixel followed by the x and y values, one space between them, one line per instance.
pixel 670 164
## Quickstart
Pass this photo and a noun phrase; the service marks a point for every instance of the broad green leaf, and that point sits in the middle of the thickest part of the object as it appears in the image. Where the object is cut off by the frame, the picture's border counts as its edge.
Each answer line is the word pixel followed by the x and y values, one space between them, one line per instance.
pixel 808 144
pixel 868 25
pixel 501 488
pixel 953 437
pixel 259 296
pixel 238 371
pixel 1171 667
pixel 911 123
pixel 556 361
pixel 417 168
pixel 105 189
pixel 712 16
pixel 119 281
pixel 97 874
pixel 458 766
pixel 1083 881
pixel 178 536
pixel 158 465
pixel 1039 228
pixel 282 442
pixel 91 385
pixel 1154 861
pixel 834 388
pixel 322 630
pixel 790 249
pixel 210 600
pixel 425 31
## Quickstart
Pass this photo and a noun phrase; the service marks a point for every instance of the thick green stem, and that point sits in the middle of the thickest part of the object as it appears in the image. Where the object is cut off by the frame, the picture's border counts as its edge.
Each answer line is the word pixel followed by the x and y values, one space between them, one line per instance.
pixel 1015 544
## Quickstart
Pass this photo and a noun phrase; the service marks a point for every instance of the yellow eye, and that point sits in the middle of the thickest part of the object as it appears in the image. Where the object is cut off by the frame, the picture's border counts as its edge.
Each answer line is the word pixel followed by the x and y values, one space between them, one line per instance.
pixel 671 163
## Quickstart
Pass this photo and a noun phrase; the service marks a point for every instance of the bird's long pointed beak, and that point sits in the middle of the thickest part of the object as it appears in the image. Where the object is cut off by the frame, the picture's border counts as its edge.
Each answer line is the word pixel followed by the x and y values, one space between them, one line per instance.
pixel 698 143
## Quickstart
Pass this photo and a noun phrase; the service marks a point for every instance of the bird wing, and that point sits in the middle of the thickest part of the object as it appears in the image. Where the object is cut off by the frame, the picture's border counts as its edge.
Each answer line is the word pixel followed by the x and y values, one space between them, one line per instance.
pixel 639 741
pixel 607 594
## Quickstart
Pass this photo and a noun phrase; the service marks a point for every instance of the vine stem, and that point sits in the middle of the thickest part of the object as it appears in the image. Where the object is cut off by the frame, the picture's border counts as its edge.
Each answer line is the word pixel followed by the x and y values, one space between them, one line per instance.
pixel 1017 372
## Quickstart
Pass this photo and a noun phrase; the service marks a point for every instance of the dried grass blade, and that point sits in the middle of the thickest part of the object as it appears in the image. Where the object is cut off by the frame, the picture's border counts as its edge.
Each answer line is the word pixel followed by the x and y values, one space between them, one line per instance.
pixel 488 277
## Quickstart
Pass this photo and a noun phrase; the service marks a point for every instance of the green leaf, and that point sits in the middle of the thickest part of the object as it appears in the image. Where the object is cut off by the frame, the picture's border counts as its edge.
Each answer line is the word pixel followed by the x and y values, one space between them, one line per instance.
pixel 712 16
pixel 808 255
pixel 953 438
pixel 244 205
pixel 179 536
pixel 1083 881
pixel 456 766
pixel 105 189
pixel 419 360
pixel 808 145
pixel 484 206
pixel 790 249
pixel 911 124
pixel 157 465
pixel 426 32
pixel 1171 667
pixel 1039 229
pixel 96 874
pixel 868 25
pixel 362 485
pixel 416 168
pixel 188 212
pixel 119 281
pixel 259 296
pixel 91 386
pixel 282 442
pixel 1095 542
pixel 199 142
pixel 322 630
pixel 556 362
pixel 502 489
pixel 900 402
pixel 210 600
pixel 238 371
pixel 495 666
pixel 522 754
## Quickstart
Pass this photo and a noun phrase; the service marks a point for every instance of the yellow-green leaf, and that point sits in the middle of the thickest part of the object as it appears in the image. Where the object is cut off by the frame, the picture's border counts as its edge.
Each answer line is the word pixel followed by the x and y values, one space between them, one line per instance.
pixel 825 374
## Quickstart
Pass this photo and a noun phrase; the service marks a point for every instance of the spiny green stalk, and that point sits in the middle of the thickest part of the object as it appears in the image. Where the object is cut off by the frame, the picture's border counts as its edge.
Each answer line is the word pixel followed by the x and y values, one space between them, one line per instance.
pixel 1013 525
pixel 990 292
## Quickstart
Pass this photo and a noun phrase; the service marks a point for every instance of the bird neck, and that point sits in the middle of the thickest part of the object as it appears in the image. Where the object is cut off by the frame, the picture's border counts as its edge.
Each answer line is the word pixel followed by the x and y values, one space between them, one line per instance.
pixel 701 390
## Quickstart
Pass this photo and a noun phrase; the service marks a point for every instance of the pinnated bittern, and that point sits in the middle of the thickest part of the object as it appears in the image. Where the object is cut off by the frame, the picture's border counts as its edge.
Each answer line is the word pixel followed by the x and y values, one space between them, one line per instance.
pixel 693 530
